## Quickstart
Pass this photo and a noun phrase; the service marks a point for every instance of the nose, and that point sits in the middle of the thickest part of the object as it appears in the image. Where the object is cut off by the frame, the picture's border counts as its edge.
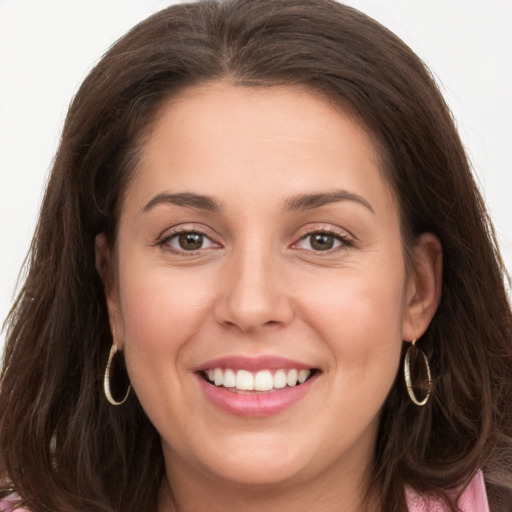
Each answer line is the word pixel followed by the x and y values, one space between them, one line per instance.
pixel 254 293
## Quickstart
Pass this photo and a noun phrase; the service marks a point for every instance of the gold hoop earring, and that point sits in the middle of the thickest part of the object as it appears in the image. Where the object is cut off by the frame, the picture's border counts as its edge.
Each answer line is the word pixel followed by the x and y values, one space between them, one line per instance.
pixel 407 374
pixel 106 380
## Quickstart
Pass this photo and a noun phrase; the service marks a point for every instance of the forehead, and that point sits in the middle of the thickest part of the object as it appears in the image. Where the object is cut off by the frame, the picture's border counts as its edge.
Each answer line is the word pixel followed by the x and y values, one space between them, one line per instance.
pixel 258 112
pixel 215 137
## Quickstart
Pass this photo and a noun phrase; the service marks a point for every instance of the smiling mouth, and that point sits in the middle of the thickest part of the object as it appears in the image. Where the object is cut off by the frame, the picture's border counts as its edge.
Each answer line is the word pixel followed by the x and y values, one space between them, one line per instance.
pixel 263 380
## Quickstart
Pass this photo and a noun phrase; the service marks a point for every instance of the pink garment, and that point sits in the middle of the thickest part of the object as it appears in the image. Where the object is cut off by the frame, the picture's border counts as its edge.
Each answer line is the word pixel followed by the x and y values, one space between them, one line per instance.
pixel 7 506
pixel 473 499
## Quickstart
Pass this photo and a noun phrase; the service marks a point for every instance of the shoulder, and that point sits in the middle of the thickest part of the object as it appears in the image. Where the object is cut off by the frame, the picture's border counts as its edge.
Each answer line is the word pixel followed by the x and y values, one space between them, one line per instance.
pixel 473 499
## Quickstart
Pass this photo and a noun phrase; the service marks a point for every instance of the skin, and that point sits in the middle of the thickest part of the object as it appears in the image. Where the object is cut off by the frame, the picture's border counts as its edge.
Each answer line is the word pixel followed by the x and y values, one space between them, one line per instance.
pixel 258 286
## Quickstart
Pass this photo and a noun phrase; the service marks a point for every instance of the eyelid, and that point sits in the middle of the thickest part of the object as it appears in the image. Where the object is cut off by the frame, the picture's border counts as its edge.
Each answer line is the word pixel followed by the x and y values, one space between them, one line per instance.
pixel 347 239
pixel 170 233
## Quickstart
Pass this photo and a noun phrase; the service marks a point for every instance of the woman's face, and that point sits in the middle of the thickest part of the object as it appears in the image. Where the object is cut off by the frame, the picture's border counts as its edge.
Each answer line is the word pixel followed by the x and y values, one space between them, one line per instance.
pixel 259 244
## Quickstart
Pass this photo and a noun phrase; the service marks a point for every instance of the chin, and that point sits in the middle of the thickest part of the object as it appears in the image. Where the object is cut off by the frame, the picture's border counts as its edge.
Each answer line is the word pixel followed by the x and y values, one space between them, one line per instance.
pixel 268 472
pixel 256 460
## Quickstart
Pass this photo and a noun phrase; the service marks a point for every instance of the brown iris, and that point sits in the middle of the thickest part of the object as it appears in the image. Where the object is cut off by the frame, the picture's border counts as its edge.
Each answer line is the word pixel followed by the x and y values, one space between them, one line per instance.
pixel 322 241
pixel 190 241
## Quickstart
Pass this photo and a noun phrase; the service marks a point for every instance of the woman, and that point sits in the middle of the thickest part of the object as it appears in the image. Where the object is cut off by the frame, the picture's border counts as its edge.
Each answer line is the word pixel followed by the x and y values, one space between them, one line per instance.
pixel 263 279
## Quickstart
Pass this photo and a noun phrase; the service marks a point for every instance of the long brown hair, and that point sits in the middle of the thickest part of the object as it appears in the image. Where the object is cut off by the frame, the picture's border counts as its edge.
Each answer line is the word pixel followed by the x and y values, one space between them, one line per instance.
pixel 62 446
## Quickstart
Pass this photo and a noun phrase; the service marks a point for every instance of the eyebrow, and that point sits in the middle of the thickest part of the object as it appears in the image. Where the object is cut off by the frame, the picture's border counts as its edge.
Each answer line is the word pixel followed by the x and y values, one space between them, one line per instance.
pixel 185 199
pixel 312 201
pixel 296 203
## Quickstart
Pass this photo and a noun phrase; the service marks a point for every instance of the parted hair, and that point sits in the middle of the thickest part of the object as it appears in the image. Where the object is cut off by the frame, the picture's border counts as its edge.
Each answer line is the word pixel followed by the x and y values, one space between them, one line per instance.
pixel 63 447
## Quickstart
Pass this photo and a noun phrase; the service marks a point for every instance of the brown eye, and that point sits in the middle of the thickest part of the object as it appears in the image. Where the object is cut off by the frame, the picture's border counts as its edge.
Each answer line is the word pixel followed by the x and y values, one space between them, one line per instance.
pixel 322 241
pixel 190 241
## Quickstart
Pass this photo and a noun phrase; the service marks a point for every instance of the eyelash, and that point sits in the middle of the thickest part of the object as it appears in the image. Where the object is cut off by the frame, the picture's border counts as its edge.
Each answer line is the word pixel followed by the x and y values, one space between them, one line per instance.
pixel 165 242
pixel 345 241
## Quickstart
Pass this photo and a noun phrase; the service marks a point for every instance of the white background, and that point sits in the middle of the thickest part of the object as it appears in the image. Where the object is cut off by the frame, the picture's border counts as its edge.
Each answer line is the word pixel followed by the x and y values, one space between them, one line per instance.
pixel 48 46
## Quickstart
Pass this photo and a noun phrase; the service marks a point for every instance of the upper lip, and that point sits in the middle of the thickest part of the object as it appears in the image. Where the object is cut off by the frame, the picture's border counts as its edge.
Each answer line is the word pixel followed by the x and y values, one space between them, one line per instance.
pixel 254 364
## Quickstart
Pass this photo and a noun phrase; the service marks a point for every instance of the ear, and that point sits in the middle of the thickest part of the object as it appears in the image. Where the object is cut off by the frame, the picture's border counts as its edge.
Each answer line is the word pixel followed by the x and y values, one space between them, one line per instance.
pixel 424 282
pixel 106 270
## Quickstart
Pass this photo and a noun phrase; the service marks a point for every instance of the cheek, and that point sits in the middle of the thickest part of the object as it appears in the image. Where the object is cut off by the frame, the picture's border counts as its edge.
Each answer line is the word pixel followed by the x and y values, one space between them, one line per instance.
pixel 360 318
pixel 161 312
pixel 159 301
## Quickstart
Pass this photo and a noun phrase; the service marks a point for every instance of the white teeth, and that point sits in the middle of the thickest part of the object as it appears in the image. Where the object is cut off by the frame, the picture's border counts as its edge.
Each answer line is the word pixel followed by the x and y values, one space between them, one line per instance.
pixel 229 380
pixel 291 378
pixel 303 375
pixel 263 380
pixel 279 379
pixel 217 376
pixel 244 380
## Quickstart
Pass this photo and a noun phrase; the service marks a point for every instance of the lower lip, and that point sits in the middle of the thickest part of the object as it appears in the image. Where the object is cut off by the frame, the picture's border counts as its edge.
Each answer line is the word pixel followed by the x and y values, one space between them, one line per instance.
pixel 257 403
